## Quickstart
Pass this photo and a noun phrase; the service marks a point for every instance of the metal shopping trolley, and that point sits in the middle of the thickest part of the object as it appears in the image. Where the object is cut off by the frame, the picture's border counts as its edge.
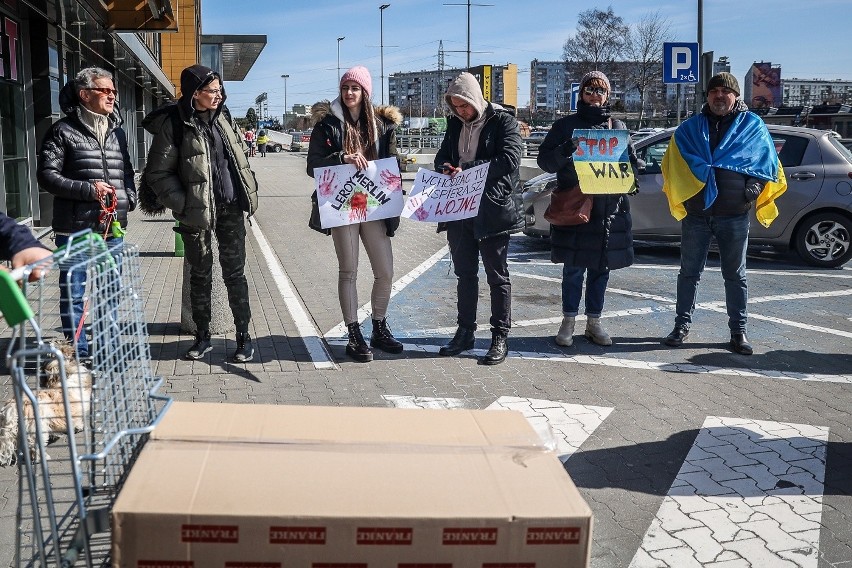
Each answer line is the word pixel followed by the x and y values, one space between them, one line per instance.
pixel 75 444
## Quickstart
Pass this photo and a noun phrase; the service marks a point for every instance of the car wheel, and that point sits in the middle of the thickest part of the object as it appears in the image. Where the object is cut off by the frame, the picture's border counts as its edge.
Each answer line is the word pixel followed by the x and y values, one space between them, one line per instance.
pixel 825 239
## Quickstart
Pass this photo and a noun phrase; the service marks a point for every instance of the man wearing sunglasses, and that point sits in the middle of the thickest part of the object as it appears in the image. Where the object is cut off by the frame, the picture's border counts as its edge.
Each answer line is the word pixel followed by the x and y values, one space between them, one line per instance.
pixel 85 164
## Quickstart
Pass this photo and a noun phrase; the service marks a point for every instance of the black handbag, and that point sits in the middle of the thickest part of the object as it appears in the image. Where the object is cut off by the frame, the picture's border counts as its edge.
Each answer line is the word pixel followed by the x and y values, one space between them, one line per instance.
pixel 569 207
pixel 314 221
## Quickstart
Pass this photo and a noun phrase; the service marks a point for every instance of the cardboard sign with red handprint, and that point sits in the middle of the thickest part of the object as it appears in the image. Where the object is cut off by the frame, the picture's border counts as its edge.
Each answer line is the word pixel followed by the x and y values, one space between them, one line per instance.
pixel 347 195
pixel 437 197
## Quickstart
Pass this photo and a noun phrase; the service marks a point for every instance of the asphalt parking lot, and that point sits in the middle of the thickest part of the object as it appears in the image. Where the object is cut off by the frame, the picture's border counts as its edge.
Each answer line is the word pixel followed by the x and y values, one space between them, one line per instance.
pixel 688 457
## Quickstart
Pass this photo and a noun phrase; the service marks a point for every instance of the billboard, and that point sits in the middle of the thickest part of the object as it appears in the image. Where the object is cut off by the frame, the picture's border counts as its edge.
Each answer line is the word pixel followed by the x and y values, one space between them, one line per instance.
pixel 765 86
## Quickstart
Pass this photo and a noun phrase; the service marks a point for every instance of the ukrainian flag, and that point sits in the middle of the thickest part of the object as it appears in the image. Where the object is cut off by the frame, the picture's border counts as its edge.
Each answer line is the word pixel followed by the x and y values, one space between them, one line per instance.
pixel 747 148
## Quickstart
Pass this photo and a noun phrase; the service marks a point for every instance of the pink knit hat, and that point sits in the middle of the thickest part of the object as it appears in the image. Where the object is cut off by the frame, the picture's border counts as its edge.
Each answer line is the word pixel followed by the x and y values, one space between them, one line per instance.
pixel 360 75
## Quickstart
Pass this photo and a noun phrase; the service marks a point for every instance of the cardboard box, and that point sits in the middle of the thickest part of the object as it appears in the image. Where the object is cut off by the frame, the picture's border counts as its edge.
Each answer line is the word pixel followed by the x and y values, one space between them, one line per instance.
pixel 312 487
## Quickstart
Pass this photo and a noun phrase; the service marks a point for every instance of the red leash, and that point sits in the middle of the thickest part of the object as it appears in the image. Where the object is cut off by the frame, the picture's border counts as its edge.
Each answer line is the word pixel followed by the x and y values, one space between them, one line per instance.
pixel 105 218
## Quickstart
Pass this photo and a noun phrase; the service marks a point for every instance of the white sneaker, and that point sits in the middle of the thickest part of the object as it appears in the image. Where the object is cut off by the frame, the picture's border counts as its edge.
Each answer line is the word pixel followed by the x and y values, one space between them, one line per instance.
pixel 596 333
pixel 565 336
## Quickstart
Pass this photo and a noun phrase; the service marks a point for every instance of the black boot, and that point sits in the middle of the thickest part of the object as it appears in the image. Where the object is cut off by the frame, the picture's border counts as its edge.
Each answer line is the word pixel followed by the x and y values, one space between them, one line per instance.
pixel 245 350
pixel 383 339
pixel 201 346
pixel 499 348
pixel 357 348
pixel 461 341
pixel 740 344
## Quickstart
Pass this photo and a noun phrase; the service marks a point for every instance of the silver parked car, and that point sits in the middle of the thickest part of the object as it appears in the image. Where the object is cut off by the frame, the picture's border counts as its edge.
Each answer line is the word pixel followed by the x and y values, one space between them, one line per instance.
pixel 815 214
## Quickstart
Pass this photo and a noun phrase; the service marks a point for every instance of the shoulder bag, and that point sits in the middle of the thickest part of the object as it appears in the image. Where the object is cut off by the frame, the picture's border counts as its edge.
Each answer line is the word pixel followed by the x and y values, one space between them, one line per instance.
pixel 568 207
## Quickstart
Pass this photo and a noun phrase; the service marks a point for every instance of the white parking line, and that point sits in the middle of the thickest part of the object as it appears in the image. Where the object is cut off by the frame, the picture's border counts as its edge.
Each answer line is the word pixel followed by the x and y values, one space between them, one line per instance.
pixel 562 426
pixel 308 331
pixel 749 493
pixel 364 311
pixel 567 425
pixel 718 307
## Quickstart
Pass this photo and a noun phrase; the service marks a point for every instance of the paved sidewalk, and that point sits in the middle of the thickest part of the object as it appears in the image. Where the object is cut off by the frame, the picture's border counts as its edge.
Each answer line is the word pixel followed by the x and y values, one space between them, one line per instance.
pixel 635 423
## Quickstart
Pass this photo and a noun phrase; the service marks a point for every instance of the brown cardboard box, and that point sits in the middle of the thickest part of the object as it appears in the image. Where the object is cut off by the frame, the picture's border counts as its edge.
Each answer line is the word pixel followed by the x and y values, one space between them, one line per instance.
pixel 311 487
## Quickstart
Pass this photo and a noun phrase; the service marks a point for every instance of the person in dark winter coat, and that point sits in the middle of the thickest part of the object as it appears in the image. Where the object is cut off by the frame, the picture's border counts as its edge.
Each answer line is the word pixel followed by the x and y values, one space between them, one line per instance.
pixel 350 130
pixel 207 182
pixel 18 245
pixel 481 132
pixel 603 244
pixel 85 164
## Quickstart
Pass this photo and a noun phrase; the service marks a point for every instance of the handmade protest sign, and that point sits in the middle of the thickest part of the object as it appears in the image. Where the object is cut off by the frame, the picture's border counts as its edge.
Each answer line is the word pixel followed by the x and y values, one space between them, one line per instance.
pixel 438 197
pixel 347 195
pixel 602 162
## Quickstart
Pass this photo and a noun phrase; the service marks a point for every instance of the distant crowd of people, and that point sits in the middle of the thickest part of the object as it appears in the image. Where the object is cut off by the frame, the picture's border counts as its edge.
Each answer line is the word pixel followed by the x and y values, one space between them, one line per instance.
pixel 720 165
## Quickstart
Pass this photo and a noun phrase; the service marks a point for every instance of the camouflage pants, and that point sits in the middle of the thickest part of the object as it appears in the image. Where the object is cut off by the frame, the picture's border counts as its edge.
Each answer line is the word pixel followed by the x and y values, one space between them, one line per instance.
pixel 231 236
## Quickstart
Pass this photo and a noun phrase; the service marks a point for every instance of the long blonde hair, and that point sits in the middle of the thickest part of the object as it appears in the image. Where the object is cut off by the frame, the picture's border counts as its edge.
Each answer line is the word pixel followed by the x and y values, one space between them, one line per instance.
pixel 360 136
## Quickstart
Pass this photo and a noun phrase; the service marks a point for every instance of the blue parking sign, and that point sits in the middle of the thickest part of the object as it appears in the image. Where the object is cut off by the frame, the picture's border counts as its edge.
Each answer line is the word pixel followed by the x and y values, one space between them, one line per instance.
pixel 680 62
pixel 575 94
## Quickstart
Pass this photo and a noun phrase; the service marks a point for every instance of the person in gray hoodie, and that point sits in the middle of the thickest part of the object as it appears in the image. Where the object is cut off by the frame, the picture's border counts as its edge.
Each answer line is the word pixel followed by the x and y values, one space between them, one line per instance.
pixel 481 132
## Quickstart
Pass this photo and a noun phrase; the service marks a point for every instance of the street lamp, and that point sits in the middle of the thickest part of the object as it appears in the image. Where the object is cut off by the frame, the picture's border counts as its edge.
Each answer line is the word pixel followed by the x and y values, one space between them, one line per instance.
pixel 285 77
pixel 338 56
pixel 382 47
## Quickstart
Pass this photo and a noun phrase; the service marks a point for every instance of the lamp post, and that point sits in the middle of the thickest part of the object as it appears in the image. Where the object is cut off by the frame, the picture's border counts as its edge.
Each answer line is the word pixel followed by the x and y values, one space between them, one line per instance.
pixel 338 56
pixel 382 47
pixel 285 77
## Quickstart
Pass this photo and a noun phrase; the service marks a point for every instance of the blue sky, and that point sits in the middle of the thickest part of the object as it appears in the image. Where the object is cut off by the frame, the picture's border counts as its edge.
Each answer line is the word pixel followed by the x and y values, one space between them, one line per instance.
pixel 809 40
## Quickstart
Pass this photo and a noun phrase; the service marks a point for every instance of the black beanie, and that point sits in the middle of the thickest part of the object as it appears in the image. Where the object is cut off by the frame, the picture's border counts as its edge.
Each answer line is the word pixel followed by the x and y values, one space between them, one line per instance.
pixel 195 77
pixel 724 79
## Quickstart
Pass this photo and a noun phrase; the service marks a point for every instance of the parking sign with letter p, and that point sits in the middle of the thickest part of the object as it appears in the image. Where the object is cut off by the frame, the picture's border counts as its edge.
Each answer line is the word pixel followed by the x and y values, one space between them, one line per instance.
pixel 680 62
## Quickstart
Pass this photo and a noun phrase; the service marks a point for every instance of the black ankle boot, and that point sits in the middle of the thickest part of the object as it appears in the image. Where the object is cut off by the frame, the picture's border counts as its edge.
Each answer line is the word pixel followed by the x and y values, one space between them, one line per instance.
pixel 245 350
pixel 201 346
pixel 383 339
pixel 357 348
pixel 499 348
pixel 461 341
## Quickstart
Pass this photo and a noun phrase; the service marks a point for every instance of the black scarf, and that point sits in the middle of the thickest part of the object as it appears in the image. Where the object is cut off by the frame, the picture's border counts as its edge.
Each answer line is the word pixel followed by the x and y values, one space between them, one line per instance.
pixel 593 114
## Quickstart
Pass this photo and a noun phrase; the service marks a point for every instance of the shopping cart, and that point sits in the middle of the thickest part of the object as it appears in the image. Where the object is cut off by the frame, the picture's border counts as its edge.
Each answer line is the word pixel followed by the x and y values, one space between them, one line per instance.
pixel 64 499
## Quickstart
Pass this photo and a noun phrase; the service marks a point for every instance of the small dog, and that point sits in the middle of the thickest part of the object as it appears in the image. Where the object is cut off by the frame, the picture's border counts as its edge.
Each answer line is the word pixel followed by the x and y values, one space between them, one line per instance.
pixel 51 408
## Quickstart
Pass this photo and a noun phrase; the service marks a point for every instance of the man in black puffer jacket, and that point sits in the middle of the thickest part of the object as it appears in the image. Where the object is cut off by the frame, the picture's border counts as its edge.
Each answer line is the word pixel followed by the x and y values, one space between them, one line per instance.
pixel 85 164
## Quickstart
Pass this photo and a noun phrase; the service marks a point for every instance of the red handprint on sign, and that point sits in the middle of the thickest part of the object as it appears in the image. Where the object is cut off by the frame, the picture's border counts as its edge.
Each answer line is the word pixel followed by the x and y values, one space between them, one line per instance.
pixel 392 181
pixel 358 207
pixel 421 213
pixel 326 183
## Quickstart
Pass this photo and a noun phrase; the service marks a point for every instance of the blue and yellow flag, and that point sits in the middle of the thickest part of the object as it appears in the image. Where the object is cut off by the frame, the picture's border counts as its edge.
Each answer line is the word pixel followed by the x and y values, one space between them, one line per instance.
pixel 747 148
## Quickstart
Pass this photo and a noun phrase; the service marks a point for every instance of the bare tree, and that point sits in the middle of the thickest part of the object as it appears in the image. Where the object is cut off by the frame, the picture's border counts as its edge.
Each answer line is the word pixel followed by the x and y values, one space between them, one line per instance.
pixel 600 40
pixel 644 51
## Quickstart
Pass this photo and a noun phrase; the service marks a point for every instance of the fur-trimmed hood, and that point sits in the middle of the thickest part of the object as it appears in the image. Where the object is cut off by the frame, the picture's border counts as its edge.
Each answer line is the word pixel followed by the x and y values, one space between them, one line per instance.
pixel 319 111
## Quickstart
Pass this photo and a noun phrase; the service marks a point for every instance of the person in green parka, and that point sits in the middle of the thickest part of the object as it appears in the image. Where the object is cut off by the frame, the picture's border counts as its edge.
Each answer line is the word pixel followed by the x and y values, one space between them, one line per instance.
pixel 202 174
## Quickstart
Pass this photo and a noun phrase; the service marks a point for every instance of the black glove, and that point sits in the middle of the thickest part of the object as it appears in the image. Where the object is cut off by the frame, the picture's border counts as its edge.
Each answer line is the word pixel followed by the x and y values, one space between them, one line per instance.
pixel 391 225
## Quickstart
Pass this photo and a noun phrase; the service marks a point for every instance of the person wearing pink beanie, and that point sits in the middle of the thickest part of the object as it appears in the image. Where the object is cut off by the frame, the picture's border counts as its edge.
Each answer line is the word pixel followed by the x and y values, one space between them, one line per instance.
pixel 350 130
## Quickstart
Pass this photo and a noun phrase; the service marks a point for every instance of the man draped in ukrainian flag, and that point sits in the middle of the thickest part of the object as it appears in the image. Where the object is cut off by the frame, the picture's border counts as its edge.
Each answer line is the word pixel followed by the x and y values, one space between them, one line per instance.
pixel 717 165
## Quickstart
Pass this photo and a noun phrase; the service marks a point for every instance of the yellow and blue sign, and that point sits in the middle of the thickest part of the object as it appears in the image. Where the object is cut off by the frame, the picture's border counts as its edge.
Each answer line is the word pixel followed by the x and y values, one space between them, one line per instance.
pixel 602 161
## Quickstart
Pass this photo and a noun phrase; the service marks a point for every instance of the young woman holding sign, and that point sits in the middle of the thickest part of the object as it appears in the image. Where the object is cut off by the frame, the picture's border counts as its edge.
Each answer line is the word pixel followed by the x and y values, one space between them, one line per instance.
pixel 350 130
pixel 604 243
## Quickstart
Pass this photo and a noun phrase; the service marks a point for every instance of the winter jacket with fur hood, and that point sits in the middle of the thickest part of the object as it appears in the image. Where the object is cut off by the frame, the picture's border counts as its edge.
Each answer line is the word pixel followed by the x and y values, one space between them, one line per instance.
pixel 71 159
pixel 181 176
pixel 326 146
pixel 492 137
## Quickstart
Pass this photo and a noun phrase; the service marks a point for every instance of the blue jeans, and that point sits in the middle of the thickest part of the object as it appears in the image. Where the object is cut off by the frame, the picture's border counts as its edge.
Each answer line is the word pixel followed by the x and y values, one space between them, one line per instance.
pixel 72 288
pixel 572 290
pixel 731 232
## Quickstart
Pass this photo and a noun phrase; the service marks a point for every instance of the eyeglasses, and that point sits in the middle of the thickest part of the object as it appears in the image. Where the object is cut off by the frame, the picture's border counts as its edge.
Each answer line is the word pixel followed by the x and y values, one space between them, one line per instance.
pixel 600 91
pixel 214 92
pixel 105 91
